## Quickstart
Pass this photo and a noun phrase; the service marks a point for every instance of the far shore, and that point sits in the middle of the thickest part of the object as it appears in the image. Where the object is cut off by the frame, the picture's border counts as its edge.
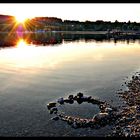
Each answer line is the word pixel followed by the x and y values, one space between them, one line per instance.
pixel 81 32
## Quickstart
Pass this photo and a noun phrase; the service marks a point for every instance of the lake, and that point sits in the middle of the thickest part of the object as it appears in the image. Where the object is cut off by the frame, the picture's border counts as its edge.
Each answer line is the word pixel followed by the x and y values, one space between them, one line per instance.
pixel 41 68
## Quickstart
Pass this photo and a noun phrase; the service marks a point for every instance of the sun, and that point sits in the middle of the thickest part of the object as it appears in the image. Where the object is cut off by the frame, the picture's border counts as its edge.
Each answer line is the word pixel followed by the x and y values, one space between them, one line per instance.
pixel 20 18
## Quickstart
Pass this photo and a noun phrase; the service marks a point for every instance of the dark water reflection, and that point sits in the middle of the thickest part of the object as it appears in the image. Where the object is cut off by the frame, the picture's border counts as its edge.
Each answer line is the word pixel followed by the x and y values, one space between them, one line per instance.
pixel 53 38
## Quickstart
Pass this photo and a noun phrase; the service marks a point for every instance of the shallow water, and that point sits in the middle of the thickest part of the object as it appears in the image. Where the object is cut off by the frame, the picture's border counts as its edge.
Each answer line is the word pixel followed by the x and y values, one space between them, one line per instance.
pixel 33 76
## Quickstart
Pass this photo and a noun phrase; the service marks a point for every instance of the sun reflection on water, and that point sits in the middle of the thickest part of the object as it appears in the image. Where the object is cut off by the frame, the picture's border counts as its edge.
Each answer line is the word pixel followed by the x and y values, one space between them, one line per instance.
pixel 21 43
pixel 28 56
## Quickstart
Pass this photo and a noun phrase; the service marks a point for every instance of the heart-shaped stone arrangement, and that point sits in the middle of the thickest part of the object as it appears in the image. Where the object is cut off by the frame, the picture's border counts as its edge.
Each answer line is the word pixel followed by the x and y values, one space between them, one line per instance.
pixel 106 115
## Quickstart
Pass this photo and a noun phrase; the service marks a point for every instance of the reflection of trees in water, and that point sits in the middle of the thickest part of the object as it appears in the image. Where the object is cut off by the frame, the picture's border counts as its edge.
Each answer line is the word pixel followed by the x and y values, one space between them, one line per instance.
pixel 85 37
pixel 51 38
pixel 7 40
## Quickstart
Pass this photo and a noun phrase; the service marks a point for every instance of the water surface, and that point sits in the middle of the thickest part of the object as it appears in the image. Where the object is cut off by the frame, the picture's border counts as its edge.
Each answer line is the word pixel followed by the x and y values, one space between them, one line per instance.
pixel 33 75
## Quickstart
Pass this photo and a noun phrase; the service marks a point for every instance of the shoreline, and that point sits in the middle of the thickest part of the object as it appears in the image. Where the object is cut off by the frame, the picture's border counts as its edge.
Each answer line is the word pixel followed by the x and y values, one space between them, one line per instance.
pixel 129 123
pixel 125 119
pixel 81 32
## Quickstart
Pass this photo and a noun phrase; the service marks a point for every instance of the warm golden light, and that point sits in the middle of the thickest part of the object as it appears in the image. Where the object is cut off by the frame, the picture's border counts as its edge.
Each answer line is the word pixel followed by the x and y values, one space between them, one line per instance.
pixel 74 11
pixel 21 44
pixel 20 19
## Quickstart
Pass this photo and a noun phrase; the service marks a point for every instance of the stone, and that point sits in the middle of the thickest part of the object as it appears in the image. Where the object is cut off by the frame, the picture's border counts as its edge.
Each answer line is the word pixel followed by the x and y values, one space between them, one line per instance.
pixel 50 105
pixel 74 125
pixel 70 101
pixel 100 116
pixel 50 111
pixel 69 121
pixel 79 101
pixel 80 94
pixel 60 100
pixel 86 98
pixel 106 116
pixel 108 109
pixel 137 116
pixel 138 109
pixel 55 118
pixel 70 97
pixel 53 110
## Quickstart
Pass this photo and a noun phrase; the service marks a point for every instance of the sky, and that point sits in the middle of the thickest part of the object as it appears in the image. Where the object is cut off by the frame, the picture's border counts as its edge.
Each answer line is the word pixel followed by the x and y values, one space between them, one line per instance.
pixel 75 11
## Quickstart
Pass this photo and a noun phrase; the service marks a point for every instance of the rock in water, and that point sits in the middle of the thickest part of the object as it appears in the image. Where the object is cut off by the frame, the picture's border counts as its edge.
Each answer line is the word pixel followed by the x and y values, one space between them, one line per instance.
pixel 138 109
pixel 60 101
pixel 108 109
pixel 50 105
pixel 53 110
pixel 80 94
pixel 100 116
pixel 86 98
pixel 74 125
pixel 55 118
pixel 79 101
pixel 70 97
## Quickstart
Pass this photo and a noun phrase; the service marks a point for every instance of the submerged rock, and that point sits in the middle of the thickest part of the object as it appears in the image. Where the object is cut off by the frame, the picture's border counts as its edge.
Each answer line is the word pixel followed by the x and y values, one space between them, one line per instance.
pixel 53 110
pixel 95 101
pixel 74 125
pixel 55 118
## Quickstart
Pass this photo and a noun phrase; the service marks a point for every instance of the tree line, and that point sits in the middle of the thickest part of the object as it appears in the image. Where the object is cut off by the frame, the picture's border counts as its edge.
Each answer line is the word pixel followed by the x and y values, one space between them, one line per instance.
pixel 8 23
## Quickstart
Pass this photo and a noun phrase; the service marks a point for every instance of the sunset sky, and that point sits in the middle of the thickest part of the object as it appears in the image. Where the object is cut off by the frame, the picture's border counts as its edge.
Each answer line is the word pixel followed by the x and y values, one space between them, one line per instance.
pixel 77 11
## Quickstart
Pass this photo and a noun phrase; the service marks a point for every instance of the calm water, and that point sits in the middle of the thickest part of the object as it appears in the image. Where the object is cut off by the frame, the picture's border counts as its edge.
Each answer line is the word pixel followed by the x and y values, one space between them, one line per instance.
pixel 33 75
